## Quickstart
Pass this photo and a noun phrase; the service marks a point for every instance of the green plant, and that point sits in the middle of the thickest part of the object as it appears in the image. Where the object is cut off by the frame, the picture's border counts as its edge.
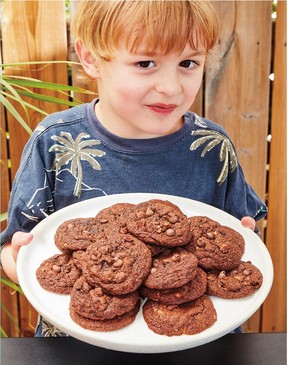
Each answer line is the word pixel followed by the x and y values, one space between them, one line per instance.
pixel 16 288
pixel 15 87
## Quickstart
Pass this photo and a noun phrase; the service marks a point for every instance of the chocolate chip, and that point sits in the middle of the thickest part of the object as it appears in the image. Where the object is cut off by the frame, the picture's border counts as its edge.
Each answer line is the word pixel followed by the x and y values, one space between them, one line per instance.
pixel 140 214
pixel 222 274
pixel 224 248
pixel 120 277
pixel 149 212
pixel 170 232
pixel 246 272
pixel 200 243
pixel 173 219
pixel 210 235
pixel 176 258
pixel 56 268
pixel 118 263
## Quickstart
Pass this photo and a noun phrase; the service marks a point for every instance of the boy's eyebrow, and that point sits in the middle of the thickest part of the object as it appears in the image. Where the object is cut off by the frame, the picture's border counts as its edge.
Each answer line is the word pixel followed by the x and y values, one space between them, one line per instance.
pixel 198 53
pixel 155 53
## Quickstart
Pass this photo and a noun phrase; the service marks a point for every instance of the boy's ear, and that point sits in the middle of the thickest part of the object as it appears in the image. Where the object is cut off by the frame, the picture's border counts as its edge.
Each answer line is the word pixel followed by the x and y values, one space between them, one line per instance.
pixel 88 62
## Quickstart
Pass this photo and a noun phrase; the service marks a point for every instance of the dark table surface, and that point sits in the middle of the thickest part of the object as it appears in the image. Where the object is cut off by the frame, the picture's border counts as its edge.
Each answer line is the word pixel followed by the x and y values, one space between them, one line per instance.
pixel 232 349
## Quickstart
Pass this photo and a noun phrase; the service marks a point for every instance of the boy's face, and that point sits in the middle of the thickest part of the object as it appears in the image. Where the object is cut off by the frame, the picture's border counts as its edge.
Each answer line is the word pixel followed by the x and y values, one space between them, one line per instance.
pixel 145 95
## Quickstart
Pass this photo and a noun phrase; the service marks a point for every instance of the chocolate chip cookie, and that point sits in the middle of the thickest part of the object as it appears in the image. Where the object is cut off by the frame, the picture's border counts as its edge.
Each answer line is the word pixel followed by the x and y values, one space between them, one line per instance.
pixel 107 325
pixel 237 283
pixel 118 263
pixel 159 222
pixel 114 218
pixel 218 247
pixel 94 303
pixel 58 274
pixel 184 319
pixel 171 268
pixel 77 234
pixel 198 224
pixel 185 293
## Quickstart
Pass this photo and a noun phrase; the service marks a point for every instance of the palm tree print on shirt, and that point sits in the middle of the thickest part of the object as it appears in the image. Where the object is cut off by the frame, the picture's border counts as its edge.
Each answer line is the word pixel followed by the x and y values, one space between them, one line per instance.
pixel 226 154
pixel 75 151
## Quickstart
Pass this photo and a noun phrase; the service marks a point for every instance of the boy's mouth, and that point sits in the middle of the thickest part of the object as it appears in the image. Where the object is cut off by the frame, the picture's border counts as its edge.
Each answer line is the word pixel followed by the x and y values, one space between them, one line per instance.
pixel 162 108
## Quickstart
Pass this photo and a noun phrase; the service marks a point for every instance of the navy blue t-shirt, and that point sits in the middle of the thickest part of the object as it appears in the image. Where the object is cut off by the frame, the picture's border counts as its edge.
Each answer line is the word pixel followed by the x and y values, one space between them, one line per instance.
pixel 71 157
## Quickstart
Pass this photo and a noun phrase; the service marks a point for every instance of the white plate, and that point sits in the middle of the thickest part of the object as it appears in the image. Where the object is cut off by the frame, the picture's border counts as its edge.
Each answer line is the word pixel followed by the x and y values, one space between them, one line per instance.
pixel 137 337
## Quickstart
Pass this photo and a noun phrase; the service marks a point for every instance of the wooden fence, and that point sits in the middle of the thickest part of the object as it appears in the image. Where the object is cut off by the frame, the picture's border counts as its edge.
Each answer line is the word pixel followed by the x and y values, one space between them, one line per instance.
pixel 237 93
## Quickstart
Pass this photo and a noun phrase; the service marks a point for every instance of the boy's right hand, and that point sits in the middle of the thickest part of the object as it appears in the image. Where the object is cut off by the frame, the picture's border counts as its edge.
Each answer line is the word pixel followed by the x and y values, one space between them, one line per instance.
pixel 9 253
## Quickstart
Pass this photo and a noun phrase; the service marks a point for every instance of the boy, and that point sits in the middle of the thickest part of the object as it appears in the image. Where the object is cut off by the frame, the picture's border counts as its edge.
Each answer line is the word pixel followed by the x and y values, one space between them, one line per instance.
pixel 148 59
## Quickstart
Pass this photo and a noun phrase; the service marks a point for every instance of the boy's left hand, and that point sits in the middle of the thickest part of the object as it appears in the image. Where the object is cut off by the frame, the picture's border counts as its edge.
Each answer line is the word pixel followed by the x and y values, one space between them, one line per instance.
pixel 248 222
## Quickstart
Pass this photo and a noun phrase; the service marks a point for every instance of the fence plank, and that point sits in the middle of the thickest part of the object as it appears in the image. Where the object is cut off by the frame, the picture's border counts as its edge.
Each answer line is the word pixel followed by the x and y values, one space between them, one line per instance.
pixel 37 30
pixel 274 308
pixel 28 27
pixel 6 298
pixel 237 92
pixel 237 88
pixel 4 168
pixel 10 322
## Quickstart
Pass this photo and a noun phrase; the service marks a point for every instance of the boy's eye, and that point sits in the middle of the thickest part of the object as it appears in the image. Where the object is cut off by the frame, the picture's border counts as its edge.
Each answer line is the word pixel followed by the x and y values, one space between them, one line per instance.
pixel 146 64
pixel 188 64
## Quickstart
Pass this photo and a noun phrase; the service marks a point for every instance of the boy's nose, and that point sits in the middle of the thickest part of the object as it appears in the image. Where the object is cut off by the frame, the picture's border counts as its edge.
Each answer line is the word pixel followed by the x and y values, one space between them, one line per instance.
pixel 169 84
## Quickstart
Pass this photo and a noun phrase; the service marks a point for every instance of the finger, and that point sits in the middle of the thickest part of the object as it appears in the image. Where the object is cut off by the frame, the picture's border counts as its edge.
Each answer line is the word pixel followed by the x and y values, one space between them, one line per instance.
pixel 248 222
pixel 19 239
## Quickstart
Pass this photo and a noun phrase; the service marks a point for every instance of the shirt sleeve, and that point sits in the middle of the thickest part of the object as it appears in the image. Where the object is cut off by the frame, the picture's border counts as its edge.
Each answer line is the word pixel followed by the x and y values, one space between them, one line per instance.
pixel 31 197
pixel 241 199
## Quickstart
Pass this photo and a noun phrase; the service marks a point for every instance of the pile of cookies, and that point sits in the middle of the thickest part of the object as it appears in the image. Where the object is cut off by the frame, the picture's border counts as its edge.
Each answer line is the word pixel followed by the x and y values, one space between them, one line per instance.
pixel 149 252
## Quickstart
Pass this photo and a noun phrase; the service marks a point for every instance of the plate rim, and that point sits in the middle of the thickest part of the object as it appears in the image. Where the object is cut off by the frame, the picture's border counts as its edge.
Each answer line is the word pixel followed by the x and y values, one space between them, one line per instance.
pixel 109 200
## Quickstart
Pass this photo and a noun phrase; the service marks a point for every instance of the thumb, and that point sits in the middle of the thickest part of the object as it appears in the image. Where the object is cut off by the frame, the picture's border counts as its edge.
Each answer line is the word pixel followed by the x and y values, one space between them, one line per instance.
pixel 19 239
pixel 248 222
